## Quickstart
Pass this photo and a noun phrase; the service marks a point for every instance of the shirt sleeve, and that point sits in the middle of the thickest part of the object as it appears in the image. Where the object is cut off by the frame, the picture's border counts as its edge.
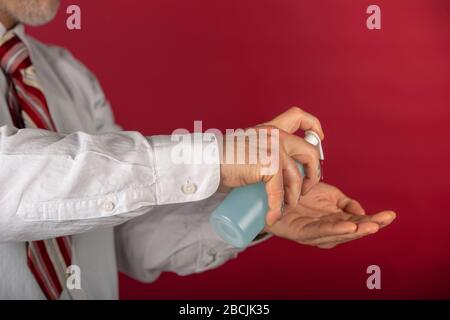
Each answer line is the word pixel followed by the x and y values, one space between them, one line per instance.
pixel 175 238
pixel 54 184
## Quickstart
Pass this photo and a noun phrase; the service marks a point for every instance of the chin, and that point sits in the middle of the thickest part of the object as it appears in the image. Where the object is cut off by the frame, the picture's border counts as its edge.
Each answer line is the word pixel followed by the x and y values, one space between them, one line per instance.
pixel 35 12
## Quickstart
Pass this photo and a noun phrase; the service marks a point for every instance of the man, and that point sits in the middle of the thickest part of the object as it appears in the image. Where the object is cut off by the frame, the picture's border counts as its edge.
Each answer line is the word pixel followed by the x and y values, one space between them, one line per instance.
pixel 77 191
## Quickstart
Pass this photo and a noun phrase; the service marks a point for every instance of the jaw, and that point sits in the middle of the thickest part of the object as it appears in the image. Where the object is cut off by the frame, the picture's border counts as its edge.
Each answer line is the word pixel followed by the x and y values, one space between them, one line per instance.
pixel 29 12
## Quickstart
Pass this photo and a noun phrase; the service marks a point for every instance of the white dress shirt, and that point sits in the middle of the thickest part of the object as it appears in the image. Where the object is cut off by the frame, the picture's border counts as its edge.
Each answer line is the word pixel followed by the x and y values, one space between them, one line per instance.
pixel 90 177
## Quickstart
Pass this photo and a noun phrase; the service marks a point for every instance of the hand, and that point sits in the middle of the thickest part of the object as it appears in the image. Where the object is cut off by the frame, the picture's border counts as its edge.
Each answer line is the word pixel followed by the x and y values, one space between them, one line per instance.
pixel 284 183
pixel 326 217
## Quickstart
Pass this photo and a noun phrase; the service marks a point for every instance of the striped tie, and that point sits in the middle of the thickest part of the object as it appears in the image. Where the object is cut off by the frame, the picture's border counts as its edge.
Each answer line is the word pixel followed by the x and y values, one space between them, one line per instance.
pixel 47 259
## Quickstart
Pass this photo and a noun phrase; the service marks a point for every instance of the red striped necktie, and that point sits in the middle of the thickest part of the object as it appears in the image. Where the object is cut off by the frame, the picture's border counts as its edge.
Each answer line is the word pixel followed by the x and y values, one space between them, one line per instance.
pixel 47 259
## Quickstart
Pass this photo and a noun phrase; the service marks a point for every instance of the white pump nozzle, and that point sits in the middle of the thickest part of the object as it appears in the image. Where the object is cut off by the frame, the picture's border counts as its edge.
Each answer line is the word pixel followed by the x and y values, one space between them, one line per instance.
pixel 314 139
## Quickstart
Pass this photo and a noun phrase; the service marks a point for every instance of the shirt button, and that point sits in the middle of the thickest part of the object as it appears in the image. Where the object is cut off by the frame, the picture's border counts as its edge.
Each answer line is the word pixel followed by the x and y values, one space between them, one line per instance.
pixel 108 206
pixel 189 188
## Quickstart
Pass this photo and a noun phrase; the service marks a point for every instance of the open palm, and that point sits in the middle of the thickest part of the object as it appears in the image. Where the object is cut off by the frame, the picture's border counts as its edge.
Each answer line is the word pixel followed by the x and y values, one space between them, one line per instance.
pixel 326 217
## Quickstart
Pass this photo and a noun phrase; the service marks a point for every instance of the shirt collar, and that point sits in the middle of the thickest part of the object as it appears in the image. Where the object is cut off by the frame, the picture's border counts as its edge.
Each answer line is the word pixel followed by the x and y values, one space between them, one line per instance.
pixel 2 30
pixel 17 29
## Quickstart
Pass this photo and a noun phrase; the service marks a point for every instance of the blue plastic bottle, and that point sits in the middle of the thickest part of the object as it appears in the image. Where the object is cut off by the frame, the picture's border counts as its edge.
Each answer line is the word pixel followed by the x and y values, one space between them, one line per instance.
pixel 242 215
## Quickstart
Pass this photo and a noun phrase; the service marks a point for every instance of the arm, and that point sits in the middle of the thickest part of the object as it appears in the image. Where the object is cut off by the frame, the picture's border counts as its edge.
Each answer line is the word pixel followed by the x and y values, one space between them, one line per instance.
pixel 176 238
pixel 53 184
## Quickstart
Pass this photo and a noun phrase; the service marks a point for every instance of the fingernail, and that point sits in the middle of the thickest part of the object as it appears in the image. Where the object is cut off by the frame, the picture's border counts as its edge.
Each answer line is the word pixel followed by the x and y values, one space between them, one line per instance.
pixel 392 215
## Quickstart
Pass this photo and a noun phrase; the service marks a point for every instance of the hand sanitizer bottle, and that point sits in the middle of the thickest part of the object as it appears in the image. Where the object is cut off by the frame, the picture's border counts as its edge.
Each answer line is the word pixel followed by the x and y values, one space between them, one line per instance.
pixel 242 215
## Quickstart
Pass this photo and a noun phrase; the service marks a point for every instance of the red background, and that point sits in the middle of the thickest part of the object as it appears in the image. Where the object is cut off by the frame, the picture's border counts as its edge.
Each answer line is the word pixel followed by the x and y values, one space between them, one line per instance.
pixel 383 98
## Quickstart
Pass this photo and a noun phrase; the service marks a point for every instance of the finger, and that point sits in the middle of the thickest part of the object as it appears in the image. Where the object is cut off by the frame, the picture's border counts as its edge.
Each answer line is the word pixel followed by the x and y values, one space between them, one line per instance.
pixel 292 180
pixel 351 206
pixel 312 172
pixel 294 119
pixel 360 234
pixel 363 229
pixel 307 155
pixel 383 218
pixel 326 229
pixel 275 198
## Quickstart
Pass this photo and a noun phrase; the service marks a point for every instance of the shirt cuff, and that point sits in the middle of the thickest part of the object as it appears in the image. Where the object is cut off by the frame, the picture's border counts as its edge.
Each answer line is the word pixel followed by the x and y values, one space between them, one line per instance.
pixel 187 167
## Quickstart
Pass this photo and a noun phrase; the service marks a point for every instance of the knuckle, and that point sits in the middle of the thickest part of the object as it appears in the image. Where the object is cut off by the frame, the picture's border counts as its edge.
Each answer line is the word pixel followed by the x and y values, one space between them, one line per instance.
pixel 315 119
pixel 297 110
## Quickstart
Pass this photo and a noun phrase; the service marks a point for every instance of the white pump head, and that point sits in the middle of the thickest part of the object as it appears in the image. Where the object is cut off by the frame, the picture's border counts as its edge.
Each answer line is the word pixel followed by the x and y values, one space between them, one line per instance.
pixel 314 139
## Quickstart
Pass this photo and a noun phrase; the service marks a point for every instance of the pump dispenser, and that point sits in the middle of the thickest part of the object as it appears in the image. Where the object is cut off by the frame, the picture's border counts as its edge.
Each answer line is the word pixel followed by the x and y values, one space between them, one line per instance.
pixel 241 216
